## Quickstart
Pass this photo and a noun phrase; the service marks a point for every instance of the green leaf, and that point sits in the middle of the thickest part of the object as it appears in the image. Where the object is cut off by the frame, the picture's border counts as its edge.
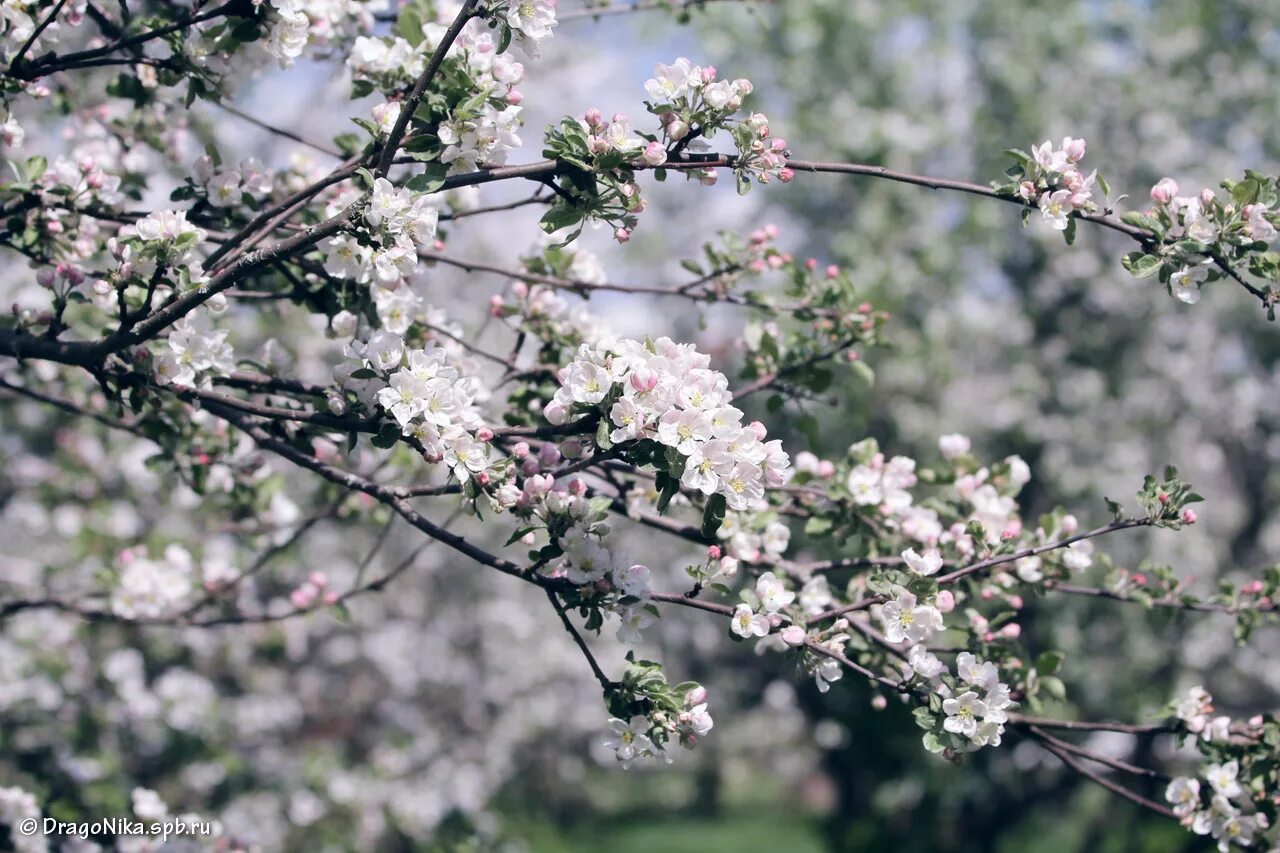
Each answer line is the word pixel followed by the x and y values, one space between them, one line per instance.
pixel 1054 687
pixel 387 436
pixel 1070 232
pixel 1141 265
pixel 1049 662
pixel 933 742
pixel 713 515
pixel 558 217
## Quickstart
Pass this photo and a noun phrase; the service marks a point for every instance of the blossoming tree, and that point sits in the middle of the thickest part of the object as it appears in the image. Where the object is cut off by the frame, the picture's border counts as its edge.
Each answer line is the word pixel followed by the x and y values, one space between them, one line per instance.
pixel 568 439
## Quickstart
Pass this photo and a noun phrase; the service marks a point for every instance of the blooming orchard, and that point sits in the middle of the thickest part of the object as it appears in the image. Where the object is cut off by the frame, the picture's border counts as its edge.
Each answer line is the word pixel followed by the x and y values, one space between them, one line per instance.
pixel 196 326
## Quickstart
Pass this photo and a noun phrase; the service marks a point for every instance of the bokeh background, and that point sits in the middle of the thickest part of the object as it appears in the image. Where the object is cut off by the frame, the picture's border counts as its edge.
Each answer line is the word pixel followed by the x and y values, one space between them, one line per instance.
pixel 455 713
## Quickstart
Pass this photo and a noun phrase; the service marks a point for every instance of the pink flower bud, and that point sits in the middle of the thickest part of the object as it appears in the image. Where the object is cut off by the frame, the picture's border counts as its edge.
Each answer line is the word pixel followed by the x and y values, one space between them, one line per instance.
pixel 1016 602
pixel 622 235
pixel 879 703
pixel 1163 498
pixel 1139 579
pixel 331 597
pixel 1188 516
pixel 1164 191
pixel 301 597
pixel 484 434
pixel 1011 631
pixel 521 450
pixel 483 478
pixel 519 289
pixel 786 175
pixel 714 552
pixel 1206 197
pixel 759 429
pixel 530 467
pixel 793 635
pixel 826 469
pixel 548 454
pixel 578 486
pixel 677 130
pixel 696 696
pixel 655 154
pixel 987 594
pixel 1074 149
pixel 833 271
pixel 593 118
pixel 495 305
pixel 708 73
pixel 643 380
pixel 1012 530
pixel 946 602
pixel 514 97
pixel 1252 587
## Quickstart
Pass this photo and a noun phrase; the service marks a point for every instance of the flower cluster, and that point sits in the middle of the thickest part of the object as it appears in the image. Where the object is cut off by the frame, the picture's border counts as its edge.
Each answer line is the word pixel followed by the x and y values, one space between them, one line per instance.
pixel 194 352
pixel 666 392
pixel 153 588
pixel 429 400
pixel 693 105
pixel 974 703
pixel 650 714
pixel 1052 181
pixel 759 612
pixel 1196 711
pixel 401 222
pixel 1223 819
pixel 1197 232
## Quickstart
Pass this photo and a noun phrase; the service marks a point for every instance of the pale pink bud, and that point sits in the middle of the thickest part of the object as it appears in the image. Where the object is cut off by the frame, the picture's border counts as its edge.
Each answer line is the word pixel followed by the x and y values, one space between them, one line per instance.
pixel 578 486
pixel 793 635
pixel 495 305
pixel 833 271
pixel 521 450
pixel 331 597
pixel 987 594
pixel 643 380
pixel 826 469
pixel 557 413
pixel 655 154
pixel 1015 601
pixel 946 602
pixel 1252 587
pixel 530 467
pixel 549 454
pixel 879 703
pixel 484 434
pixel 696 696
pixel 1074 149
pixel 1011 631
pixel 786 175
pixel 593 117
pixel 514 97
pixel 622 235
pixel 1206 197
pixel 519 289
pixel 1189 516
pixel 483 478
pixel 1070 524
pixel 714 552
pixel 1012 530
pixel 677 130
pixel 301 597
pixel 759 429
pixel 1164 191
